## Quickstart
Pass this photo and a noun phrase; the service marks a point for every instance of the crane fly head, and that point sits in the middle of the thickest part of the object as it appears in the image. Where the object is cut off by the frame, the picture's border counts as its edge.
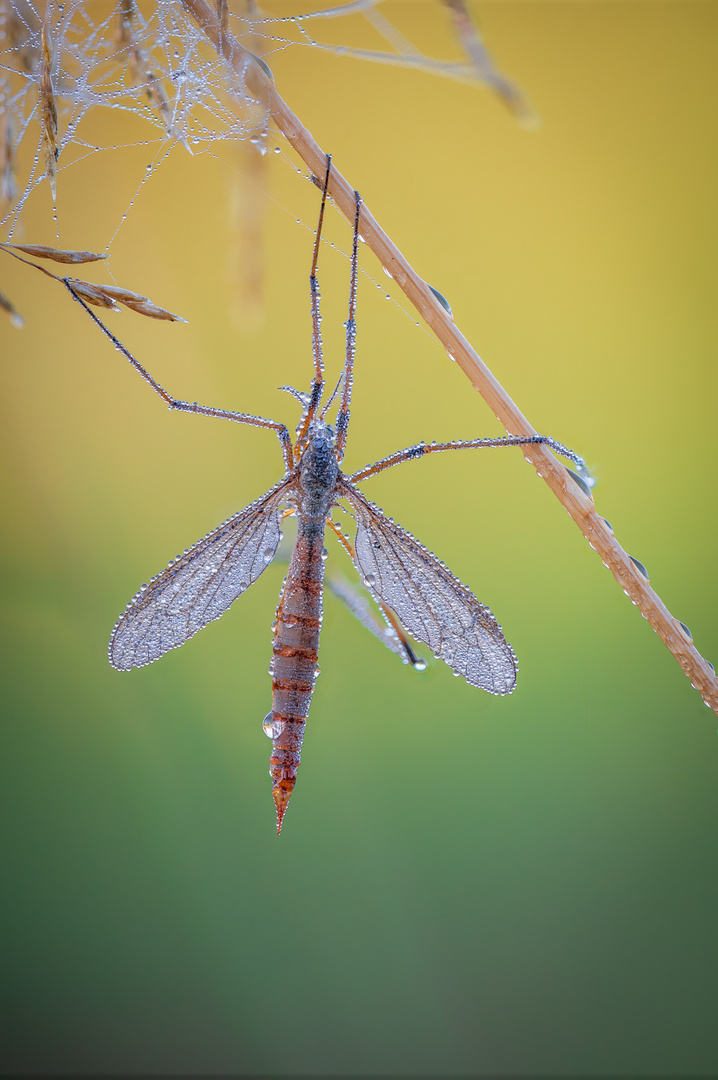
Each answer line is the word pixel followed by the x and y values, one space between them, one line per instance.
pixel 320 436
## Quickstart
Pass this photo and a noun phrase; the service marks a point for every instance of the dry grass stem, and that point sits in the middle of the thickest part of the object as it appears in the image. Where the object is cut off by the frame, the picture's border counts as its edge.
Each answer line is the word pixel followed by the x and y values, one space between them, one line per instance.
pixel 579 505
pixel 48 112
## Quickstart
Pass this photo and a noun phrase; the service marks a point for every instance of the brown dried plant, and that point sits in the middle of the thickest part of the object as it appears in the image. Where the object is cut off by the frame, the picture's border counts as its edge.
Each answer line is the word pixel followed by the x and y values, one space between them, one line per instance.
pixel 575 497
pixel 105 296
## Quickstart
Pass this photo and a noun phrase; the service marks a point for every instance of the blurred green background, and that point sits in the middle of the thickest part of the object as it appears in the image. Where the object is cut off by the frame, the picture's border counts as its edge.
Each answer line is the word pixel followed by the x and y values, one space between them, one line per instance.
pixel 464 884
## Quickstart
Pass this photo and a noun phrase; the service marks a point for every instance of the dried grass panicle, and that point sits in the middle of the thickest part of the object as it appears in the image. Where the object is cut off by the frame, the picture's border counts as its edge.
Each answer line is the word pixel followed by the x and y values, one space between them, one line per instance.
pixel 105 296
pixel 578 504
pixel 92 294
pixel 141 304
pixel 48 111
pixel 111 296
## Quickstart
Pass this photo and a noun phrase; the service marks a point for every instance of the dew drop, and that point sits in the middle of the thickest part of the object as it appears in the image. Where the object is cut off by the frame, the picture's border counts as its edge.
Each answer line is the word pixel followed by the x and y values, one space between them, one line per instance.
pixel 580 481
pixel 420 665
pixel 325 554
pixel 442 300
pixel 639 566
pixel 370 579
pixel 268 554
pixel 272 728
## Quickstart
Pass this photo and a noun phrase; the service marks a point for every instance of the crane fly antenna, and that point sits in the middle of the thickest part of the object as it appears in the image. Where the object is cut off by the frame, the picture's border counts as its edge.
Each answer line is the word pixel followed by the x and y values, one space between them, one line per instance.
pixel 318 384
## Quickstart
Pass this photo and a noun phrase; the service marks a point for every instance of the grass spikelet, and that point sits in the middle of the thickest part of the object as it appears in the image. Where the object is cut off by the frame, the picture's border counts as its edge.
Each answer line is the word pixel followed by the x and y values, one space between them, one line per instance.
pixel 111 296
pixel 39 251
pixel 92 294
pixel 152 311
pixel 124 296
pixel 48 112
pixel 141 304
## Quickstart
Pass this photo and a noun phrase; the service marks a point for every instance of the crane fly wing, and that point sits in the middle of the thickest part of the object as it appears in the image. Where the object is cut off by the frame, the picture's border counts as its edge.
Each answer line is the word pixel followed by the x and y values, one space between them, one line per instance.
pixel 200 585
pixel 433 605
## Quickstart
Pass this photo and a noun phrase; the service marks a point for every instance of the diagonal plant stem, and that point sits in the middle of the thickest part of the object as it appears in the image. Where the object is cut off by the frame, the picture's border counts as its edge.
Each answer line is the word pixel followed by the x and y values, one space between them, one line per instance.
pixel 578 502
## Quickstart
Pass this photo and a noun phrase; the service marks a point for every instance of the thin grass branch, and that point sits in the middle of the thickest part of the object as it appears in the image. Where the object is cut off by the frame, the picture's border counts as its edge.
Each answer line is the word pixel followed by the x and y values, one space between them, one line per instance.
pixel 576 499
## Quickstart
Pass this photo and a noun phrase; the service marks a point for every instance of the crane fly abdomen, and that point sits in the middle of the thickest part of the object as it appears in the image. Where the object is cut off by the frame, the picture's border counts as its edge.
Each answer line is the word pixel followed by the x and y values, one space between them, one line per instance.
pixel 299 619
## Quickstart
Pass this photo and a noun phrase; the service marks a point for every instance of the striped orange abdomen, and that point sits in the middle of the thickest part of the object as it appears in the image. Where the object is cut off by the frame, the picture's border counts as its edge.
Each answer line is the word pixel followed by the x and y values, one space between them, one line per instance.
pixel 294 658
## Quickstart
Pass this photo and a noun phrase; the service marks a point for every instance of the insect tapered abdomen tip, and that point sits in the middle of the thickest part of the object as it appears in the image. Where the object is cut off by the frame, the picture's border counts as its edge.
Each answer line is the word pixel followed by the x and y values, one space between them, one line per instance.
pixel 281 793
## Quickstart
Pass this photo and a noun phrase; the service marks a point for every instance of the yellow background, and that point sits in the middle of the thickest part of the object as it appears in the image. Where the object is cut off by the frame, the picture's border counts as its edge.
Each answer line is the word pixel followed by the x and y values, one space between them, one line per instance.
pixel 464 884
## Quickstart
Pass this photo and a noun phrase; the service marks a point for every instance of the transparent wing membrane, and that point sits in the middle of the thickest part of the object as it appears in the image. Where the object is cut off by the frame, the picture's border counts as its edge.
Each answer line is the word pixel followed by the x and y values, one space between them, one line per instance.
pixel 433 605
pixel 199 585
pixel 359 607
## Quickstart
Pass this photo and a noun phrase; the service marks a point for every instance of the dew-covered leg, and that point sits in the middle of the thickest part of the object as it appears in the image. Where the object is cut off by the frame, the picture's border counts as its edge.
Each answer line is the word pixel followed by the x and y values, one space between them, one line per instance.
pixel 187 406
pixel 348 381
pixel 467 444
pixel 317 390
pixel 400 637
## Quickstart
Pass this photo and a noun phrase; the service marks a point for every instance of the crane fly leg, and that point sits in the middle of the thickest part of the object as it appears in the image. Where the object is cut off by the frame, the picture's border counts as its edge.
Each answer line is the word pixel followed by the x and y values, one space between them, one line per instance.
pixel 386 611
pixel 317 349
pixel 466 444
pixel 192 407
pixel 343 413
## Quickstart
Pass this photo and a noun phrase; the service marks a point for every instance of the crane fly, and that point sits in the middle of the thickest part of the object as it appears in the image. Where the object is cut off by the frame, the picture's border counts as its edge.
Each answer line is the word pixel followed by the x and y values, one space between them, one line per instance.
pixel 417 594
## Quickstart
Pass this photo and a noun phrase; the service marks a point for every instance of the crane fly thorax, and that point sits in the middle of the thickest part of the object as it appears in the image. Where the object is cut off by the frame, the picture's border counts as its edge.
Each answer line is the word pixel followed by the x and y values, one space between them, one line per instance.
pixel 318 471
